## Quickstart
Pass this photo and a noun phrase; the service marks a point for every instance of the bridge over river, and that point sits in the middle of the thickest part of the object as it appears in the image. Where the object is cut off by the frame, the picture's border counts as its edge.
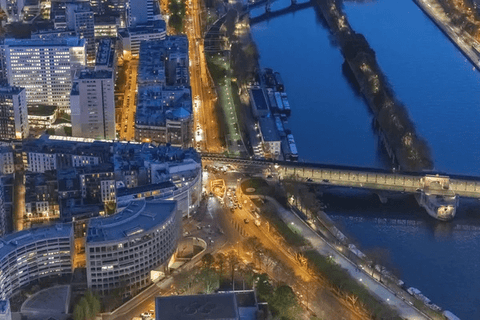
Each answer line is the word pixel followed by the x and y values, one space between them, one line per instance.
pixel 438 193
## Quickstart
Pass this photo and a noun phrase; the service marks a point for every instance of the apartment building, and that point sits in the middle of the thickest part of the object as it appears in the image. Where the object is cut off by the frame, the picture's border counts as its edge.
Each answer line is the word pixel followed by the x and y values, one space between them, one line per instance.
pixel 122 249
pixel 13 113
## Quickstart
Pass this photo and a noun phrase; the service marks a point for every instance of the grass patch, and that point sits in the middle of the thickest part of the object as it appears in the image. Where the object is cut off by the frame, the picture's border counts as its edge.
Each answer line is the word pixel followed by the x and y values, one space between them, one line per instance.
pixel 260 185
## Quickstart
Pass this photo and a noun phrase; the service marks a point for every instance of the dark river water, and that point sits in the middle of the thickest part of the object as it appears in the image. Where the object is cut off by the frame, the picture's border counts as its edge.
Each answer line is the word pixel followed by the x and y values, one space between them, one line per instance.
pixel 332 124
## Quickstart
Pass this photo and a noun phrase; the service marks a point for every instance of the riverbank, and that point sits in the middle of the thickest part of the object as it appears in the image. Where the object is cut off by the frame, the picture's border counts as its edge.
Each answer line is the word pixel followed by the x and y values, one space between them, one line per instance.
pixel 438 16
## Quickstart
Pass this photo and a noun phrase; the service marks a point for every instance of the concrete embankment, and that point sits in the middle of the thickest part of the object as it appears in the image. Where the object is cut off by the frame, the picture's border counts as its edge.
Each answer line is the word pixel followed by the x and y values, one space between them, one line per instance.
pixel 410 151
pixel 453 33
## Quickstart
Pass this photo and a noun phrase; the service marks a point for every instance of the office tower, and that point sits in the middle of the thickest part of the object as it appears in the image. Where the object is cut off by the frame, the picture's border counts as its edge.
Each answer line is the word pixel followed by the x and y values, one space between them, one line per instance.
pixel 44 67
pixel 13 9
pixel 92 104
pixel 139 12
pixel 13 113
pixel 79 18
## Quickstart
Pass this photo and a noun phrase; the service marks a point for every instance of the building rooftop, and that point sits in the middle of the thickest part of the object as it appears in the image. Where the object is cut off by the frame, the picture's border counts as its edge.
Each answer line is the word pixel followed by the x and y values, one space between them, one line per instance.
pixel 197 307
pixel 156 104
pixel 94 74
pixel 268 128
pixel 150 27
pixel 53 42
pixel 136 218
pixel 19 239
pixel 259 99
pixel 105 53
pixel 149 187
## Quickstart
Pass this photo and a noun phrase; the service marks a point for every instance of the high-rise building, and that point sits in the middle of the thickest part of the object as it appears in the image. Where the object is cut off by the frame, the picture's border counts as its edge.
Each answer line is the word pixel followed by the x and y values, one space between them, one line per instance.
pixel 79 18
pixel 139 12
pixel 44 67
pixel 92 105
pixel 13 9
pixel 13 113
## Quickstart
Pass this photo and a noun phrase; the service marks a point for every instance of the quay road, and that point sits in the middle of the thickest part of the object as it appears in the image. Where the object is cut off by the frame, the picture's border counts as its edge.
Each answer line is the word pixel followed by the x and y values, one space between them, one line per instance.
pixel 405 310
pixel 464 41
pixel 366 178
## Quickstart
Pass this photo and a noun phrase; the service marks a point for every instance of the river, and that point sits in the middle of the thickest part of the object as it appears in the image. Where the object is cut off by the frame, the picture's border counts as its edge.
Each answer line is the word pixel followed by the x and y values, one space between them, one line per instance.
pixel 332 124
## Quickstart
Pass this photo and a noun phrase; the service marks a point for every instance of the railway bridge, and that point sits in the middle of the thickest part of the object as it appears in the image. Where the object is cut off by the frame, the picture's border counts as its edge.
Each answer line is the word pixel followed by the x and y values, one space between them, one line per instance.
pixel 438 193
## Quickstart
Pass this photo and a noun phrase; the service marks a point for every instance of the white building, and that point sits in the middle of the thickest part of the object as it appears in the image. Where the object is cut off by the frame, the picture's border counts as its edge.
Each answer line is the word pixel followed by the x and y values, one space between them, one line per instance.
pixel 44 68
pixel 92 105
pixel 13 9
pixel 79 17
pixel 131 38
pixel 33 254
pixel 41 162
pixel 7 165
pixel 122 249
pixel 13 113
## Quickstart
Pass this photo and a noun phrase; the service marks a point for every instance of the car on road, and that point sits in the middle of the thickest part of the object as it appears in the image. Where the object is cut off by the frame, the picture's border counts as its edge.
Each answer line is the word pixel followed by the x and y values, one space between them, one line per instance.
pixel 246 221
pixel 147 316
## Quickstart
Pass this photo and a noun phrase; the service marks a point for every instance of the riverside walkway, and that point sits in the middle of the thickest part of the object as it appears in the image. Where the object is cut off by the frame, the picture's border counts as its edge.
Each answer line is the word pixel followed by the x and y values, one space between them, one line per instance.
pixel 389 297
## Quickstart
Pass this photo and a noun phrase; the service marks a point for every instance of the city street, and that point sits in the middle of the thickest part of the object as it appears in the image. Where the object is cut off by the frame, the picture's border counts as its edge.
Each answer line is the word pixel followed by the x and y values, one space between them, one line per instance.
pixel 204 224
pixel 320 300
pixel 127 124
pixel 207 130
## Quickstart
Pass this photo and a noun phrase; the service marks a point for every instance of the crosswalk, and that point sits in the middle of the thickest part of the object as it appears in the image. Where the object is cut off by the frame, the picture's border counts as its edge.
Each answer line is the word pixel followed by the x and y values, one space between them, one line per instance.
pixel 239 228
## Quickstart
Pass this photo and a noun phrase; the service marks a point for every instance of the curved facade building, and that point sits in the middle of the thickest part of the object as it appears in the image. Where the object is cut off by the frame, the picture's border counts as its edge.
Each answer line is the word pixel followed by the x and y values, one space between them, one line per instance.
pixel 33 254
pixel 122 249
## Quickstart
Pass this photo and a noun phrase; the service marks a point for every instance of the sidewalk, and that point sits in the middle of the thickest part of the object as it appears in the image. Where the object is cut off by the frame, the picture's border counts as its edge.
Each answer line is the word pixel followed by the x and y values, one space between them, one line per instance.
pixel 324 248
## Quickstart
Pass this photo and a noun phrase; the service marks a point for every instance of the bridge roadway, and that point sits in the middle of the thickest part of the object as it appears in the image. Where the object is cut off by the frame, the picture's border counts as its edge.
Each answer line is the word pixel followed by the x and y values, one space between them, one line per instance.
pixel 365 178
pixel 294 7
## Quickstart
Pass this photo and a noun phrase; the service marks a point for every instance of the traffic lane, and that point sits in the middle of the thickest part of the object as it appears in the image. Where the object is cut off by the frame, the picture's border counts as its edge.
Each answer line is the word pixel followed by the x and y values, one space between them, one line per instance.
pixel 326 250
